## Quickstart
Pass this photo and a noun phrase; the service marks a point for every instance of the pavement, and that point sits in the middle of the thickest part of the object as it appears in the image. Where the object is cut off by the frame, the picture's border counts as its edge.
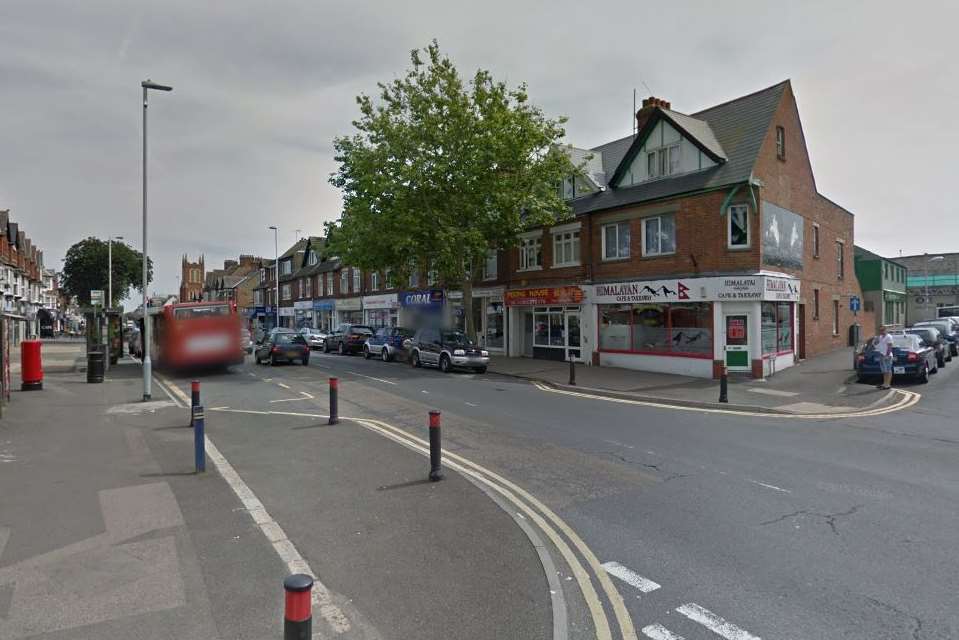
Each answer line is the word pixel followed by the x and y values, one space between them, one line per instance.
pixel 57 356
pixel 107 532
pixel 823 384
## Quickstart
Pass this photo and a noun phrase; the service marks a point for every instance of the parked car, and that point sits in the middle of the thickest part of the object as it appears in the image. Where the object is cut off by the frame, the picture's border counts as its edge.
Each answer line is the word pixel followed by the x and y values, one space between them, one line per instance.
pixel 911 357
pixel 388 343
pixel 347 338
pixel 246 342
pixel 283 345
pixel 447 350
pixel 932 337
pixel 314 337
pixel 949 330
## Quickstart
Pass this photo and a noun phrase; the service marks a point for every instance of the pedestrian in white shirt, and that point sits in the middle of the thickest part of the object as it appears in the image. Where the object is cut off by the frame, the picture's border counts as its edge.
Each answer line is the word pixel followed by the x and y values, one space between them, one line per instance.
pixel 883 344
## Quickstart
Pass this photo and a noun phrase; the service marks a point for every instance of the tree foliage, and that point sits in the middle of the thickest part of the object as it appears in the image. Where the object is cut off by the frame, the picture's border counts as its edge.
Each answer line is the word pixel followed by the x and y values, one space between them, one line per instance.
pixel 85 268
pixel 441 171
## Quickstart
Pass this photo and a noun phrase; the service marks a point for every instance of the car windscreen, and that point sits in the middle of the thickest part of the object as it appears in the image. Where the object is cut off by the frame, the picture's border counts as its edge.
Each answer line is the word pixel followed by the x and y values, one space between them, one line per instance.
pixel 456 337
pixel 288 338
pixel 360 329
pixel 403 333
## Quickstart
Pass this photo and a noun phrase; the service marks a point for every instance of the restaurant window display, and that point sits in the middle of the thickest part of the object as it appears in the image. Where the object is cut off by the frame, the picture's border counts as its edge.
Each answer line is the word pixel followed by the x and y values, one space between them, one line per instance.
pixel 495 325
pixel 674 329
pixel 777 327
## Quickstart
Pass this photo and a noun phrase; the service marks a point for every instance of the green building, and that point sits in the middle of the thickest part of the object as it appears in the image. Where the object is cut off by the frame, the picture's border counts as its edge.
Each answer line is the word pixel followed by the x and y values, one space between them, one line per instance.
pixel 883 283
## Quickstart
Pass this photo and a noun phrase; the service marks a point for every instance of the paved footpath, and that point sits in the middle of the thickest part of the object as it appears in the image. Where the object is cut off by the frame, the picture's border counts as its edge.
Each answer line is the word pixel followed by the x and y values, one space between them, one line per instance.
pixel 106 532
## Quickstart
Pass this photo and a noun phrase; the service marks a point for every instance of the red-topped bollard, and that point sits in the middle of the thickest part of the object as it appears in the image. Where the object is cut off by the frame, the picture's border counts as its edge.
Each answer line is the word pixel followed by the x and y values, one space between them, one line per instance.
pixel 436 452
pixel 31 367
pixel 195 393
pixel 298 614
pixel 334 409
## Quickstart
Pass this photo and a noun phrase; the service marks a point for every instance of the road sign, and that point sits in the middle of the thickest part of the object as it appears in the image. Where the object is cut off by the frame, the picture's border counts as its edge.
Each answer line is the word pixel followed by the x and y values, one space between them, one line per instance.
pixel 855 304
pixel 96 297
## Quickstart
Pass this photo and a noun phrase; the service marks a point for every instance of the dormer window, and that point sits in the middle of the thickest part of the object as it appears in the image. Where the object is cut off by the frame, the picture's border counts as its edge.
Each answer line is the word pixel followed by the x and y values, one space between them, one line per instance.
pixel 312 258
pixel 663 162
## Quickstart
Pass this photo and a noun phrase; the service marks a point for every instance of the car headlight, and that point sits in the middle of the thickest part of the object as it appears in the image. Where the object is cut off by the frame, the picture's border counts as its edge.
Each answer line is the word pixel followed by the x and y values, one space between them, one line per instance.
pixel 459 352
pixel 484 353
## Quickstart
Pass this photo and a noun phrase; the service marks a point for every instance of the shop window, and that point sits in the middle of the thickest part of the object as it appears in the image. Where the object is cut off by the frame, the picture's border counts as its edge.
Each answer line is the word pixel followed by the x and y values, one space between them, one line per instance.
pixel 494 325
pixel 566 249
pixel 531 254
pixel 661 329
pixel 777 327
pixel 738 227
pixel 616 241
pixel 659 235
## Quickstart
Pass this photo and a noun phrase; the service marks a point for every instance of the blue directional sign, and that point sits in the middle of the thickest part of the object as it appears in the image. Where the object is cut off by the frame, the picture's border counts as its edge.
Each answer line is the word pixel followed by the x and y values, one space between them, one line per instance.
pixel 855 304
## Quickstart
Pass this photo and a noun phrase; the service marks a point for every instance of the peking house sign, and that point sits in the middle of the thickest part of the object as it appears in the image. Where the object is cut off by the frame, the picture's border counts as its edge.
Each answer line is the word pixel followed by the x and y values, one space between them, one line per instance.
pixel 543 296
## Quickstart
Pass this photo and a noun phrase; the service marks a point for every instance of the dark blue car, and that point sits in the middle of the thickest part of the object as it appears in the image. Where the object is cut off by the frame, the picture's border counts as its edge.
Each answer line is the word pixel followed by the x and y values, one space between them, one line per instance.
pixel 387 343
pixel 949 332
pixel 912 358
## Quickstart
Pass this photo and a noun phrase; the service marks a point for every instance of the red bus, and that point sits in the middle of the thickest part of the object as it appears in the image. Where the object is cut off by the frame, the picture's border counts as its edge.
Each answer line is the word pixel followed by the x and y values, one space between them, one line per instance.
pixel 197 334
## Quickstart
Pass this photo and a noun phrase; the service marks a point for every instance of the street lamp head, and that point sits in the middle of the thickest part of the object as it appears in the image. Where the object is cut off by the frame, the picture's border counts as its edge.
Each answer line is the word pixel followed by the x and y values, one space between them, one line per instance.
pixel 149 84
pixel 936 258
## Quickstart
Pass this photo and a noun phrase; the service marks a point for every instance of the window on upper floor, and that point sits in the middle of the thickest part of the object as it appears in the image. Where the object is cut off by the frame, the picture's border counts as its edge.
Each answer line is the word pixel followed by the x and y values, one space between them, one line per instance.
pixel 307 288
pixel 531 254
pixel 344 280
pixel 262 275
pixel 287 291
pixel 616 241
pixel 389 279
pixel 312 259
pixel 664 161
pixel 815 241
pixel 659 235
pixel 414 278
pixel 375 281
pixel 840 260
pixel 431 277
pixel 566 249
pixel 737 227
pixel 815 304
pixel 489 266
pixel 329 283
pixel 286 267
pixel 357 280
pixel 780 143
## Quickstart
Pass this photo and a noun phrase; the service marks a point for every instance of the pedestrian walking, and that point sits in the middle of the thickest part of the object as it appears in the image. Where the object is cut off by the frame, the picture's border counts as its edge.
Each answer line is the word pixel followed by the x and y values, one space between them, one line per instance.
pixel 883 343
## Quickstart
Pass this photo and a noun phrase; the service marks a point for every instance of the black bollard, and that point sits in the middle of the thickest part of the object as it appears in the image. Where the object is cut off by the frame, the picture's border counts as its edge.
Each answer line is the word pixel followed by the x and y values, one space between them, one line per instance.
pixel 572 372
pixel 436 450
pixel 194 398
pixel 199 441
pixel 298 614
pixel 723 386
pixel 334 409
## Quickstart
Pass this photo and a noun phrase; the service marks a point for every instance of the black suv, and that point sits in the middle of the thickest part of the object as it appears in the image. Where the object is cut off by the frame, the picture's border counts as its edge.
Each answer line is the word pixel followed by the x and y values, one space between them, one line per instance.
pixel 447 349
pixel 347 338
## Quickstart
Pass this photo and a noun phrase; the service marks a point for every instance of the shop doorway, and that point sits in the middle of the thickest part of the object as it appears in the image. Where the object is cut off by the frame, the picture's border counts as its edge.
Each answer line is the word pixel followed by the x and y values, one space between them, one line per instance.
pixel 573 335
pixel 737 342
pixel 527 334
pixel 801 343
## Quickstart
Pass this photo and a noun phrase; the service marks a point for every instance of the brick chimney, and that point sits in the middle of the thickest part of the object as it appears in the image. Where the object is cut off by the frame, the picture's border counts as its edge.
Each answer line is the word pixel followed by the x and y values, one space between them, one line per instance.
pixel 649 105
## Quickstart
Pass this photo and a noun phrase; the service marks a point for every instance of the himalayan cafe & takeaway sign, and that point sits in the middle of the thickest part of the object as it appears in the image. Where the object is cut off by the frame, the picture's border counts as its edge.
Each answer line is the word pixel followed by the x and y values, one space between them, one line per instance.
pixel 729 289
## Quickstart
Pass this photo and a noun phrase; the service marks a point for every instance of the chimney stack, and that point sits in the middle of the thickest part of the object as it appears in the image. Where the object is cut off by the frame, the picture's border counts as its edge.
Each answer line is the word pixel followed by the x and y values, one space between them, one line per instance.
pixel 649 105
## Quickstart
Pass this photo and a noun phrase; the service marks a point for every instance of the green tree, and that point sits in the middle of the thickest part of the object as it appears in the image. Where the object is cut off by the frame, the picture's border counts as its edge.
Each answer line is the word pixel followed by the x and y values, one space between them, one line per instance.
pixel 440 172
pixel 85 268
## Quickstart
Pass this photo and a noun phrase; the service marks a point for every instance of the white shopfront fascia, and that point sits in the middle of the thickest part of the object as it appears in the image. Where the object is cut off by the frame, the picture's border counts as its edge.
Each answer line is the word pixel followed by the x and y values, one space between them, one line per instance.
pixel 287 312
pixel 493 296
pixel 739 294
pixel 303 305
pixel 385 301
pixel 349 304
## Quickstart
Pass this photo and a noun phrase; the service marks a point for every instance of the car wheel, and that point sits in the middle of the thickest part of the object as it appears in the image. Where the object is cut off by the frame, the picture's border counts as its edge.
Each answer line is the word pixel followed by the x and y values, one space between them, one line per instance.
pixel 481 370
pixel 366 352
pixel 273 362
pixel 940 362
pixel 306 362
pixel 385 354
pixel 415 359
pixel 924 375
pixel 326 347
pixel 445 363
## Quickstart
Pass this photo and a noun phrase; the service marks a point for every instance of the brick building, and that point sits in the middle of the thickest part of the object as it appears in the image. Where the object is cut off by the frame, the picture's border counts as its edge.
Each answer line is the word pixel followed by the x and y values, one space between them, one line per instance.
pixel 932 284
pixel 192 277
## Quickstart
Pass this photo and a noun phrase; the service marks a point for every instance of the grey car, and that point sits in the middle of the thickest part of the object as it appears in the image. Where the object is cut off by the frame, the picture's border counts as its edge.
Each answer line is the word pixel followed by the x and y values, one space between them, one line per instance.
pixel 315 338
pixel 447 350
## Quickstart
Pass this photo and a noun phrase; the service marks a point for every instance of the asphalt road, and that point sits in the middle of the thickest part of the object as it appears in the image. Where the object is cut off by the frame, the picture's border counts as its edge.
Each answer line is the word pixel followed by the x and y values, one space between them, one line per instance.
pixel 711 525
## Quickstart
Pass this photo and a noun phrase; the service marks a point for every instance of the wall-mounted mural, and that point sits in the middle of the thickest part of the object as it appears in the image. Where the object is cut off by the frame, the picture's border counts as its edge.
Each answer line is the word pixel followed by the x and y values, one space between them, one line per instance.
pixel 782 237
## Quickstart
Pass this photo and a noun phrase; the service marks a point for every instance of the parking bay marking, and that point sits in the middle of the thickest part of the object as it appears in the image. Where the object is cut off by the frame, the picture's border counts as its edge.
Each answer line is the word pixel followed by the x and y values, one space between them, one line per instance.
pixel 659 632
pixel 630 577
pixel 306 396
pixel 716 624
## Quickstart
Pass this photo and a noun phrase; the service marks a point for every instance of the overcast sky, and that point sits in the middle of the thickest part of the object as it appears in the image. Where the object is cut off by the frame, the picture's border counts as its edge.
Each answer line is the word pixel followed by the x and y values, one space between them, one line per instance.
pixel 261 89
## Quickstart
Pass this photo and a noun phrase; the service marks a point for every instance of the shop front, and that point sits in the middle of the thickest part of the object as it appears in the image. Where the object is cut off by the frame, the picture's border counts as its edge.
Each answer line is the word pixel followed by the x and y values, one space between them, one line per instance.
pixel 303 313
pixel 349 310
pixel 286 317
pixel 547 323
pixel 420 307
pixel 489 316
pixel 323 314
pixel 695 326
pixel 381 310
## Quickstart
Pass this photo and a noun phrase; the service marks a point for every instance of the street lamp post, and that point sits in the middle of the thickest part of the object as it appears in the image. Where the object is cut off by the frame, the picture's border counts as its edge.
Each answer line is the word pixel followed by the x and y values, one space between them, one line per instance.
pixel 147 329
pixel 110 240
pixel 276 280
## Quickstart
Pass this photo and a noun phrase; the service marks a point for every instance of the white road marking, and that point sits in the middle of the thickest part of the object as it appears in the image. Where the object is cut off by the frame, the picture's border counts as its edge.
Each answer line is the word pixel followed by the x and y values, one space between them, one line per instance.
pixel 275 413
pixel 659 632
pixel 424 391
pixel 714 623
pixel 769 486
pixel 909 398
pixel 280 384
pixel 251 374
pixel 218 408
pixel 371 377
pixel 306 396
pixel 472 404
pixel 295 563
pixel 620 444
pixel 774 392
pixel 630 577
pixel 170 395
pixel 267 379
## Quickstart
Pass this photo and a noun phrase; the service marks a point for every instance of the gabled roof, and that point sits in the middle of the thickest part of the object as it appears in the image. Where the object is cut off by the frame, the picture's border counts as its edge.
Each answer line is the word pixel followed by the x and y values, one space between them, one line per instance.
pixel 738 127
pixel 866 254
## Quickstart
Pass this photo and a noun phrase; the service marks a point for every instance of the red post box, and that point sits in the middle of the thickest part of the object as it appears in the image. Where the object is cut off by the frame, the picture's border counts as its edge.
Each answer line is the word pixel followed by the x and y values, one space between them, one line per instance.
pixel 31 369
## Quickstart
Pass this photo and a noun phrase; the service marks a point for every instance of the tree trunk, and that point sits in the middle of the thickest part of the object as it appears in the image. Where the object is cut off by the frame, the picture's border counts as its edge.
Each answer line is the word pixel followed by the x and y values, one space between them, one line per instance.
pixel 468 302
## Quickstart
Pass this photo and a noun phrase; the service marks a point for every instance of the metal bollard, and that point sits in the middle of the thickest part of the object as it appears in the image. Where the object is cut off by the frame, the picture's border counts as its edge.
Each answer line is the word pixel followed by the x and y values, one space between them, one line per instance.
pixel 297 614
pixel 199 446
pixel 724 386
pixel 572 372
pixel 194 398
pixel 334 409
pixel 436 449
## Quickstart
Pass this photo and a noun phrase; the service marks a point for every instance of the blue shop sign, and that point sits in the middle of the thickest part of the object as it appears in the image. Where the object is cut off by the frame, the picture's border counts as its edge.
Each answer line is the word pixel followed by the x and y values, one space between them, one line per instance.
pixel 259 311
pixel 426 299
pixel 323 305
